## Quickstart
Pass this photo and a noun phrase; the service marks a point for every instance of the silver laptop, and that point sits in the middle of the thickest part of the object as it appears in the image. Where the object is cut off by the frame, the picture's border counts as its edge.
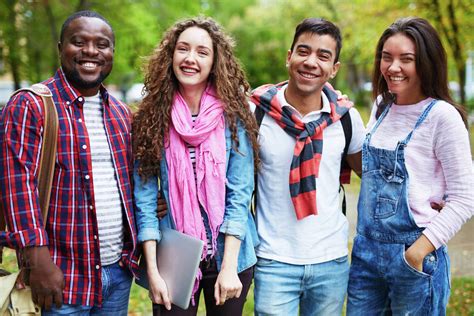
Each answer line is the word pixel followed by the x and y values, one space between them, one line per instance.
pixel 178 256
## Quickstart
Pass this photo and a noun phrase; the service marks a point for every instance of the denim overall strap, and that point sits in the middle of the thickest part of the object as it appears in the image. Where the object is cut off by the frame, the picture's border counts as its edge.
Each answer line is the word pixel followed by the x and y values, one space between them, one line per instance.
pixel 377 123
pixel 383 211
pixel 419 121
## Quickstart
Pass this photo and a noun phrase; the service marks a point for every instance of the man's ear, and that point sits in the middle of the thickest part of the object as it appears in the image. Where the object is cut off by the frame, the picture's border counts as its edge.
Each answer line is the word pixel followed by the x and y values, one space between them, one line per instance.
pixel 288 57
pixel 335 69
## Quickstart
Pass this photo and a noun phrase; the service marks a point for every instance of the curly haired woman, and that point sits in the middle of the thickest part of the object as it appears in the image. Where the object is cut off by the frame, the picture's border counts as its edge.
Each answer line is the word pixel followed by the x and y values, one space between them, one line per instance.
pixel 195 134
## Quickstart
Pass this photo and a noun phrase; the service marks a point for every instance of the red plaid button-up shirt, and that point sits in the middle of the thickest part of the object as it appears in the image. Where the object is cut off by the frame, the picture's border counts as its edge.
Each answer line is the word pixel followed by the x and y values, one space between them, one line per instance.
pixel 71 231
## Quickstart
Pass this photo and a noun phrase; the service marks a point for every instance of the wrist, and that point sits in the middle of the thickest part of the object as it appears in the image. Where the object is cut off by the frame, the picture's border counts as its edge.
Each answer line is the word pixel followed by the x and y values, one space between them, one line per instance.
pixel 35 257
pixel 420 248
pixel 414 254
pixel 229 266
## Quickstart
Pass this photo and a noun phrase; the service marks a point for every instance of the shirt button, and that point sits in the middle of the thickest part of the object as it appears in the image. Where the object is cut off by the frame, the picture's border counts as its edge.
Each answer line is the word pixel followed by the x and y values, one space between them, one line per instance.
pixel 432 258
pixel 84 146
pixel 79 120
pixel 97 267
pixel 67 102
pixel 95 237
pixel 91 207
pixel 87 177
pixel 80 99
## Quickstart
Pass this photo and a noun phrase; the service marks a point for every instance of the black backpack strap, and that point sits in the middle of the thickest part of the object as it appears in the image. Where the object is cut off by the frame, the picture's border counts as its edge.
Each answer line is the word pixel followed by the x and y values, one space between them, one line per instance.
pixel 259 114
pixel 347 128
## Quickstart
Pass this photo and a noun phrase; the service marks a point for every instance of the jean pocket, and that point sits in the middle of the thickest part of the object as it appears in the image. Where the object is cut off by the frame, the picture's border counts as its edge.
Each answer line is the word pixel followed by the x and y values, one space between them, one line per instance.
pixel 262 262
pixel 430 264
pixel 385 208
pixel 341 259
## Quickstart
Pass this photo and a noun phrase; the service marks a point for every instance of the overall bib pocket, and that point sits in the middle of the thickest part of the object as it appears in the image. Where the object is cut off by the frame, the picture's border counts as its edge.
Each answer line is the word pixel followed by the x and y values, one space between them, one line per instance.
pixel 391 186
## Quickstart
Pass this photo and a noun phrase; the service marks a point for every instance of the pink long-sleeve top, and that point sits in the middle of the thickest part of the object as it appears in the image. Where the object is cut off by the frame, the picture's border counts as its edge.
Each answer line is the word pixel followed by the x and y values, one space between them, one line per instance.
pixel 439 163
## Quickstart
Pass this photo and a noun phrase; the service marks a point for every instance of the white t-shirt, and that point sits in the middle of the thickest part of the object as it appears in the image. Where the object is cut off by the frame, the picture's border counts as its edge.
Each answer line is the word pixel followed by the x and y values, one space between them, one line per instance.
pixel 438 162
pixel 316 238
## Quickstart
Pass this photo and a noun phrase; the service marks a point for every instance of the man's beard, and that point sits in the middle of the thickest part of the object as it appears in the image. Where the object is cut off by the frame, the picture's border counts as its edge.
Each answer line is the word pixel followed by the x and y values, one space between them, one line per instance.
pixel 77 82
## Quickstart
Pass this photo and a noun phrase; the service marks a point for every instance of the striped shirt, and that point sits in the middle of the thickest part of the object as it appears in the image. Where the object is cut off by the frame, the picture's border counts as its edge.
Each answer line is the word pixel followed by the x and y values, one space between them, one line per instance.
pixel 107 196
pixel 71 231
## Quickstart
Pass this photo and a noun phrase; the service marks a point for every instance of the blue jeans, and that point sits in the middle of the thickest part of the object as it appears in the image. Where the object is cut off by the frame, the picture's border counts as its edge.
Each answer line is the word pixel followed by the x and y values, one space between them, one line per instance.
pixel 317 289
pixel 116 283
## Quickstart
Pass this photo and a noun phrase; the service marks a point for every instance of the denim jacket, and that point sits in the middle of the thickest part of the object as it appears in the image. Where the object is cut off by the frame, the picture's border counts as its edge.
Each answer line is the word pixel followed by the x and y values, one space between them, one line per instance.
pixel 238 221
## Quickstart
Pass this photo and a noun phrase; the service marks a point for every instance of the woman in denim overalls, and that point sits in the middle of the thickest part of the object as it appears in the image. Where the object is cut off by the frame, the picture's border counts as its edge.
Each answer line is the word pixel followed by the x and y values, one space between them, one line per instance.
pixel 415 156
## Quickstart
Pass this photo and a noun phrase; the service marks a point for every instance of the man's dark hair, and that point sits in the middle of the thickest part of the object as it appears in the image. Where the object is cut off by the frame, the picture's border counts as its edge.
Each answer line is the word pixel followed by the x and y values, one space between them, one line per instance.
pixel 84 14
pixel 320 27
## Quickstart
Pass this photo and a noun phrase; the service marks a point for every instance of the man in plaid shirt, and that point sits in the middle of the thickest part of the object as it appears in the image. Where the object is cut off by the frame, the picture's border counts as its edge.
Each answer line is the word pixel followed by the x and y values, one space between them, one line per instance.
pixel 83 256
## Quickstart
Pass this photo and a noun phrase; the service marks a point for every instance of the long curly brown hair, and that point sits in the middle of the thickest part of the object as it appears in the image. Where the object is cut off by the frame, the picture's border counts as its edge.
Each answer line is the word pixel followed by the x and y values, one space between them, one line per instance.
pixel 151 121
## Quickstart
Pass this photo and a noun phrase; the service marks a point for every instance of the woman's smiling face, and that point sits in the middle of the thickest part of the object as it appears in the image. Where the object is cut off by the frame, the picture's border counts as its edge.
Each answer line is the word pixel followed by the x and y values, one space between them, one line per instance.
pixel 193 58
pixel 398 67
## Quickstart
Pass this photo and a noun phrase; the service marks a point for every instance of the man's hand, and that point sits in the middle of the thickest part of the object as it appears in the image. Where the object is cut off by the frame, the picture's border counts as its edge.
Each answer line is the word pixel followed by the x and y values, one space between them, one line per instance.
pixel 162 207
pixel 45 278
pixel 340 96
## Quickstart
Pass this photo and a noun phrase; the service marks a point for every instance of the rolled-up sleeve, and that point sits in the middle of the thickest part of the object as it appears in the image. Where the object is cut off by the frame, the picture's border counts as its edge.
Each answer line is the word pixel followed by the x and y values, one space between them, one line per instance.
pixel 239 187
pixel 146 199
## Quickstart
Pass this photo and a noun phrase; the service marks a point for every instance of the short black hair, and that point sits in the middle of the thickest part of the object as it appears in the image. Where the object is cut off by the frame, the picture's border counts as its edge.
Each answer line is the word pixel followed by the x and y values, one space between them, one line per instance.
pixel 84 14
pixel 321 27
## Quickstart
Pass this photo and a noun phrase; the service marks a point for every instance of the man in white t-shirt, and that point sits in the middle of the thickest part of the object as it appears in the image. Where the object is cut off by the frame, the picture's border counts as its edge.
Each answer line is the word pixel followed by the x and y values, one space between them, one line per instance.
pixel 302 257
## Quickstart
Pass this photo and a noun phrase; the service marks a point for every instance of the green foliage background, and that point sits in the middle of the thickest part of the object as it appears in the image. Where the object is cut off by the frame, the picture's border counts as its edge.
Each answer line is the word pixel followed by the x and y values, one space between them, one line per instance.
pixel 263 29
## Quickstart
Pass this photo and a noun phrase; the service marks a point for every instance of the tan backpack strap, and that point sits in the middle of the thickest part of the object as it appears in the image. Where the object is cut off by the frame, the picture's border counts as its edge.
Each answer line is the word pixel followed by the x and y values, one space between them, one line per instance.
pixel 48 151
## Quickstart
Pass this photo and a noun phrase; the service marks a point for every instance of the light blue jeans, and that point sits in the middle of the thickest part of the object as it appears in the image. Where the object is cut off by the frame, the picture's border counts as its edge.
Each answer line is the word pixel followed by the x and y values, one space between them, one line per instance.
pixel 116 283
pixel 316 289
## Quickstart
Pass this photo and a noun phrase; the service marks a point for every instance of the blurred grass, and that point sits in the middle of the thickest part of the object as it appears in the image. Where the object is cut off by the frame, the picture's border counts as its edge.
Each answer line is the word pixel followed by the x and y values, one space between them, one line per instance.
pixel 461 301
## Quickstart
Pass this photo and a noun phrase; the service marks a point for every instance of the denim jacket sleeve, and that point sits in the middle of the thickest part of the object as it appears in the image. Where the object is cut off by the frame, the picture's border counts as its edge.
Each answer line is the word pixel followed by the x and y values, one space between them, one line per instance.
pixel 239 185
pixel 146 199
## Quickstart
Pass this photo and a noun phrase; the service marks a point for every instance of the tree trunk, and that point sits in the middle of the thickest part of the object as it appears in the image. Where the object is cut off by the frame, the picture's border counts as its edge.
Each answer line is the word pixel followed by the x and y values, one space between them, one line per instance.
pixel 458 52
pixel 54 34
pixel 11 40
pixel 83 5
pixel 452 36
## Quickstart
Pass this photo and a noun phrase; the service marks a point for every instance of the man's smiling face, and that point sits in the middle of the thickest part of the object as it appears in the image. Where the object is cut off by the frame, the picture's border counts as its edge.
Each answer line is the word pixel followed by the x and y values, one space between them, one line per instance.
pixel 311 63
pixel 87 53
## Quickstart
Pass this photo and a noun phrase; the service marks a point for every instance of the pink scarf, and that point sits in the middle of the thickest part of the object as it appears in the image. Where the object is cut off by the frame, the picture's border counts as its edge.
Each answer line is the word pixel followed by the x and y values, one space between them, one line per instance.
pixel 185 194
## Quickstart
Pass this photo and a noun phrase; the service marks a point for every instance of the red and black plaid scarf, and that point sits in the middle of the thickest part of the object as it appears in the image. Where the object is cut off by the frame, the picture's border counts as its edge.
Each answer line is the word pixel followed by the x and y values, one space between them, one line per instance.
pixel 309 142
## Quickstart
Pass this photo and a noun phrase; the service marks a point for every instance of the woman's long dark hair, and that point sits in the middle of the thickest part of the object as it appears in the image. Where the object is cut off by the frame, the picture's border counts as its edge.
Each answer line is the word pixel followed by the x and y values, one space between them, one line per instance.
pixel 430 59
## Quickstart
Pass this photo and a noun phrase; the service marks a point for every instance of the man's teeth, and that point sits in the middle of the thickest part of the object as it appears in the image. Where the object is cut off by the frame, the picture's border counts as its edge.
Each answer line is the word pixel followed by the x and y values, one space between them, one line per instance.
pixel 309 76
pixel 89 65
